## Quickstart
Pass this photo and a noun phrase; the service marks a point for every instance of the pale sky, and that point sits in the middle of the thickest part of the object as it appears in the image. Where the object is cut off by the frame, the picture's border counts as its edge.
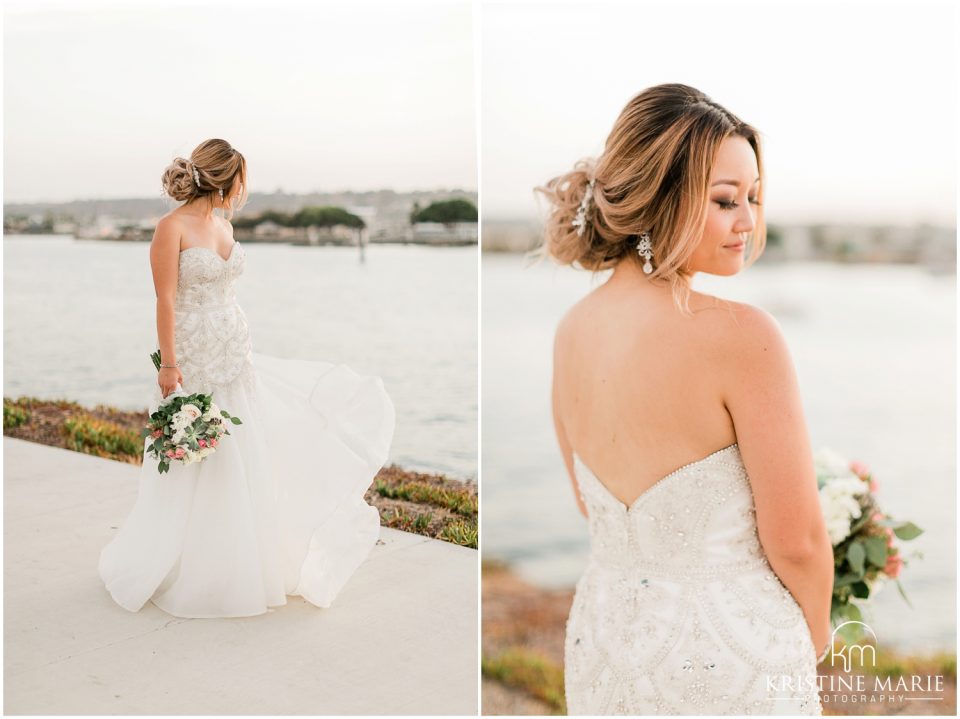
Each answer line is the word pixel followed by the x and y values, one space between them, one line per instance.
pixel 856 102
pixel 99 98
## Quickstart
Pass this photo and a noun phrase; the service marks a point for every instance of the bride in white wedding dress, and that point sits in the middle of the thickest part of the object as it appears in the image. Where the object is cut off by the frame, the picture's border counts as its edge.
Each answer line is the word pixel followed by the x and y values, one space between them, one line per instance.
pixel 709 579
pixel 278 508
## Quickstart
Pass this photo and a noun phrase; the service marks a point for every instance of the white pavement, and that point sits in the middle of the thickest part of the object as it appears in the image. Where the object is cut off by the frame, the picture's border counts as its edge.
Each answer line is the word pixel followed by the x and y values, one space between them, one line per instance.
pixel 400 638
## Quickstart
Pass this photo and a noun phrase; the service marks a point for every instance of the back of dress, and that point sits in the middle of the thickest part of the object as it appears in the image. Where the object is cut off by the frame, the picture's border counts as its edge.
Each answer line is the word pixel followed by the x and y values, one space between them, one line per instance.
pixel 678 610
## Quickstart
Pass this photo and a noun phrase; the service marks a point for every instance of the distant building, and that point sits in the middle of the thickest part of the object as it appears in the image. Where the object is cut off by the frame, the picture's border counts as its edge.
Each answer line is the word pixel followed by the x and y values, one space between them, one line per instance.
pixel 270 230
pixel 440 233
pixel 335 235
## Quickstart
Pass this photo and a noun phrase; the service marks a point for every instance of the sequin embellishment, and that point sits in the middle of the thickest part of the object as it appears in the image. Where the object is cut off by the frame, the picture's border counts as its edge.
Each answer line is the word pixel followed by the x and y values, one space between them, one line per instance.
pixel 678 610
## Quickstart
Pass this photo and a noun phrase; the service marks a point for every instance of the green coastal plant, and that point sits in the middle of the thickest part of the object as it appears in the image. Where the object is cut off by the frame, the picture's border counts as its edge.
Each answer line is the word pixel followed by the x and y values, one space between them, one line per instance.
pixel 460 532
pixel 14 415
pixel 458 501
pixel 101 438
pixel 530 672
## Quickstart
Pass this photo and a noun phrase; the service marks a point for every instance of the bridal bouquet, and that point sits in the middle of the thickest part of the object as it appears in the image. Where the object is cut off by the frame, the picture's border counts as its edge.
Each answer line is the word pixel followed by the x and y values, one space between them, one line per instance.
pixel 864 538
pixel 185 428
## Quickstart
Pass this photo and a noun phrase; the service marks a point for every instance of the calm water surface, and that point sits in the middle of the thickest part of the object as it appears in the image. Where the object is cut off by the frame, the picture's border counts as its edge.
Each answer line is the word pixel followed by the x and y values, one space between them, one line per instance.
pixel 80 322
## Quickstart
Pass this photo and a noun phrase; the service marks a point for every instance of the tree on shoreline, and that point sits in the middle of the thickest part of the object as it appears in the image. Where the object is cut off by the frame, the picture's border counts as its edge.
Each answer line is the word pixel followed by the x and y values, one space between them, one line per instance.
pixel 446 212
pixel 311 216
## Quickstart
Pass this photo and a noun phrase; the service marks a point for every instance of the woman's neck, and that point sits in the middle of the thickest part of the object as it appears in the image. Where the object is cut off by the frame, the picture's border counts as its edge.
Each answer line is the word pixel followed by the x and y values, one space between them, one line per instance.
pixel 629 273
pixel 195 209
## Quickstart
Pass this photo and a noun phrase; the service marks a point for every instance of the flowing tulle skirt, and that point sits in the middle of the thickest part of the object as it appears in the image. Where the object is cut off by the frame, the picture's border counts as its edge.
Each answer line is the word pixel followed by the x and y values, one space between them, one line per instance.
pixel 278 509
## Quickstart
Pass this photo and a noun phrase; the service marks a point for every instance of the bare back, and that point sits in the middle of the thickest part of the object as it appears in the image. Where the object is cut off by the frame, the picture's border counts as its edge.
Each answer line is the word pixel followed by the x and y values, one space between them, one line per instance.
pixel 638 387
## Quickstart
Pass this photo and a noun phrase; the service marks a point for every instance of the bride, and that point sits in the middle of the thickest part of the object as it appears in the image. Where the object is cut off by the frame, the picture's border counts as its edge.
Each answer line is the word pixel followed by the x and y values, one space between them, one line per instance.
pixel 278 508
pixel 681 425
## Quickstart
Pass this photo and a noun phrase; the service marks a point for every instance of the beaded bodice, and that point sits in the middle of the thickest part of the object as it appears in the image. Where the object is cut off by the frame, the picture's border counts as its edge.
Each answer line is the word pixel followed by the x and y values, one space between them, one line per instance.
pixel 699 517
pixel 678 610
pixel 211 336
pixel 206 279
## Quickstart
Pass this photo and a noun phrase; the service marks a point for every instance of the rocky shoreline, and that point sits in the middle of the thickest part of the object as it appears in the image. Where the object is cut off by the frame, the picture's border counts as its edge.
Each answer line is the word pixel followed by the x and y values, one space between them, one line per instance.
pixel 429 504
pixel 522 664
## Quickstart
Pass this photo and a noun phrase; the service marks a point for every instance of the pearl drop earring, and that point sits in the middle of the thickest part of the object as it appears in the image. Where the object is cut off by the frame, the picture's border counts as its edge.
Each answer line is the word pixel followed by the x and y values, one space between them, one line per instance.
pixel 645 250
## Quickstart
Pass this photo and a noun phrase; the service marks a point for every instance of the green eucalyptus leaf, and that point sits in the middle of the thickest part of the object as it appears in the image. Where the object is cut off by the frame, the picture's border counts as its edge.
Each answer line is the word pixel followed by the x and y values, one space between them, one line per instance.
pixel 845 580
pixel 907 531
pixel 876 551
pixel 855 555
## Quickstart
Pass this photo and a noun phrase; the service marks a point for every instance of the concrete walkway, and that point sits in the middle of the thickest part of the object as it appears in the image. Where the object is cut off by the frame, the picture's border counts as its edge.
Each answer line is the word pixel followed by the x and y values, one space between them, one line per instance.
pixel 401 637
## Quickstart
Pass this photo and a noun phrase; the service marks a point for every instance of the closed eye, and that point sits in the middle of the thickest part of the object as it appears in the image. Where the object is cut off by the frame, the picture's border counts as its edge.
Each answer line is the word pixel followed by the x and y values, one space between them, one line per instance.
pixel 734 205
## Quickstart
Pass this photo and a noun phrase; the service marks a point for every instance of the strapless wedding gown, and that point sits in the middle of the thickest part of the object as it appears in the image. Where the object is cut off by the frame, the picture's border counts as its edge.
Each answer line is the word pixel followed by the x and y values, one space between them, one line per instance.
pixel 678 610
pixel 278 509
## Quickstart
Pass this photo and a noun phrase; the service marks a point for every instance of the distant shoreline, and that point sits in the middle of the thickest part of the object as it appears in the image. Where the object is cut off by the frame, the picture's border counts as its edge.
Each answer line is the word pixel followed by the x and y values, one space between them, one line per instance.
pixel 250 238
pixel 430 504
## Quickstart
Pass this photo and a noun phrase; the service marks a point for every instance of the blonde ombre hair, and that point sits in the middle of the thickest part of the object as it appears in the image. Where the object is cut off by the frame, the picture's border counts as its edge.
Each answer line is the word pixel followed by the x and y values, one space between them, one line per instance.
pixel 653 175
pixel 219 166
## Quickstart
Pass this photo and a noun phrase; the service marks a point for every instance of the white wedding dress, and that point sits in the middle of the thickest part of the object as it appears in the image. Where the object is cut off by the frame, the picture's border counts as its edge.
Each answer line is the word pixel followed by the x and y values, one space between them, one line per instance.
pixel 678 610
pixel 278 509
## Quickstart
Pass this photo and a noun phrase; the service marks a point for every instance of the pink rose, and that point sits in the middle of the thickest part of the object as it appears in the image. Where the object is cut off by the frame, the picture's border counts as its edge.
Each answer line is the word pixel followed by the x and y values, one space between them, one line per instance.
pixel 894 563
pixel 213 443
pixel 170 452
pixel 877 516
pixel 873 485
pixel 202 442
pixel 181 451
pixel 157 432
pixel 859 468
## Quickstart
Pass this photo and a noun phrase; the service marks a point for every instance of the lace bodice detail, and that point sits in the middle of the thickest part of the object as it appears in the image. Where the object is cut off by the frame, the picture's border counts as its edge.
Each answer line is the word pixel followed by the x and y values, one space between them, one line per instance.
pixel 678 610
pixel 211 336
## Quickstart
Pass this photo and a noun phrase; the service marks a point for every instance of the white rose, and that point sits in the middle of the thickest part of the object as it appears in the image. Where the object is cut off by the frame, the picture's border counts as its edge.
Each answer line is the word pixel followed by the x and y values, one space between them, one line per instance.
pixel 832 463
pixel 190 411
pixel 839 505
pixel 838 528
pixel 190 457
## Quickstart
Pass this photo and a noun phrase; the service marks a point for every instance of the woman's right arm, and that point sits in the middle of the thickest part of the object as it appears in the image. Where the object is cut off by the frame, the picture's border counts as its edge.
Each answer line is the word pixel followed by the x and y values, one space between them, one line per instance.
pixel 762 396
pixel 165 263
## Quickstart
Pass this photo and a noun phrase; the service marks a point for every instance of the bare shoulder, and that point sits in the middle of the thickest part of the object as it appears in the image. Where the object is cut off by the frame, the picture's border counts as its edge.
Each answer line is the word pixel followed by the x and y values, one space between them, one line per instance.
pixel 751 344
pixel 568 328
pixel 172 217
pixel 733 320
pixel 747 325
pixel 167 232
